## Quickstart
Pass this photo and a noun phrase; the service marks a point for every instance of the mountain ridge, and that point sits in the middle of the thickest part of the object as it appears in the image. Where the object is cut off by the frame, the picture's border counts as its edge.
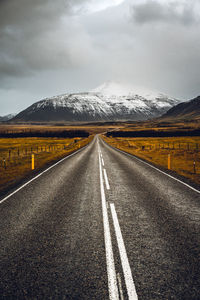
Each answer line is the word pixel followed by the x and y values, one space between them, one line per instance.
pixel 186 111
pixel 99 105
pixel 7 117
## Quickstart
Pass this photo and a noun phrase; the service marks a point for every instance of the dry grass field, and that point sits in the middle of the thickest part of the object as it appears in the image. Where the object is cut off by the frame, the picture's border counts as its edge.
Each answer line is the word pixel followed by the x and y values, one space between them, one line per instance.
pixel 16 152
pixel 184 152
pixel 160 125
pixel 91 128
pixel 16 156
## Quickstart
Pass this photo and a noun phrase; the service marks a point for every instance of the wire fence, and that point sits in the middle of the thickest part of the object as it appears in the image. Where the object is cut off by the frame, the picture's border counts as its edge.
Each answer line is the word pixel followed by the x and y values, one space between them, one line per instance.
pixel 180 156
pixel 14 156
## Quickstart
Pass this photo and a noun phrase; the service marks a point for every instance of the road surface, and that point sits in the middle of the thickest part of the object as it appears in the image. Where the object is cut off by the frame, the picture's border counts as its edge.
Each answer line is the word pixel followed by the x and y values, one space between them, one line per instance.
pixel 100 225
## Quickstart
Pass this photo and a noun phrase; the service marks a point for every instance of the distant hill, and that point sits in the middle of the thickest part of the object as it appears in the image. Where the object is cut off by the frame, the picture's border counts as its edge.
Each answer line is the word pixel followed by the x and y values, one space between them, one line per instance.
pixel 110 102
pixel 189 110
pixel 7 117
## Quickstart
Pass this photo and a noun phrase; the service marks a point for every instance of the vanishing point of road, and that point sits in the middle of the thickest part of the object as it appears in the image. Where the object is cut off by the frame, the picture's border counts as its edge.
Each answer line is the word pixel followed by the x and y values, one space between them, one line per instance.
pixel 100 224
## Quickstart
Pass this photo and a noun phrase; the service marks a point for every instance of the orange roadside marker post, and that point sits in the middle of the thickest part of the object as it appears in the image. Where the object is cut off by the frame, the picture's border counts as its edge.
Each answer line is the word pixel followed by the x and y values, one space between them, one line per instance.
pixel 169 162
pixel 33 162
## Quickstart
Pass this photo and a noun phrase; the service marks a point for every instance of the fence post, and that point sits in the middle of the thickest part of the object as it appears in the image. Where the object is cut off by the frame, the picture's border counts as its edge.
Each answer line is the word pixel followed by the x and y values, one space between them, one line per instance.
pixel 194 167
pixel 169 162
pixel 4 163
pixel 33 162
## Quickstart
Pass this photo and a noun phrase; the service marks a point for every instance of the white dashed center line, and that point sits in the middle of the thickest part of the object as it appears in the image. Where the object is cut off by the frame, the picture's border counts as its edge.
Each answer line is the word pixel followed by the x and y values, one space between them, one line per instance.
pixel 114 281
pixel 124 258
pixel 112 278
pixel 106 179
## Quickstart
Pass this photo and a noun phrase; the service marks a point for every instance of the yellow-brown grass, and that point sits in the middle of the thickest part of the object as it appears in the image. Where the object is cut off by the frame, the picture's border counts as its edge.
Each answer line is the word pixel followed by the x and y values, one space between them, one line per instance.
pixel 184 151
pixel 92 129
pixel 159 125
pixel 15 156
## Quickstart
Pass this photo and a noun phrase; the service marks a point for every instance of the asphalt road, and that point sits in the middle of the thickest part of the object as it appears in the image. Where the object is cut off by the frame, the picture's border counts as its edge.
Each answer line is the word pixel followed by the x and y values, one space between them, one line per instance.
pixel 101 225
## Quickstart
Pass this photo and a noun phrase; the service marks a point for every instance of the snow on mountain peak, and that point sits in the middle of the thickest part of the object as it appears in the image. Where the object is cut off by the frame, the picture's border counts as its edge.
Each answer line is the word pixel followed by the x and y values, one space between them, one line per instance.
pixel 112 88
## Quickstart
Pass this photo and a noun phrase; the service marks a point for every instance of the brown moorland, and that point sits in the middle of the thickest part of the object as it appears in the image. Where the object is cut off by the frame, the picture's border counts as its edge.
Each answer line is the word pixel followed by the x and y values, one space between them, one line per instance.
pixel 15 153
pixel 16 156
pixel 91 128
pixel 184 152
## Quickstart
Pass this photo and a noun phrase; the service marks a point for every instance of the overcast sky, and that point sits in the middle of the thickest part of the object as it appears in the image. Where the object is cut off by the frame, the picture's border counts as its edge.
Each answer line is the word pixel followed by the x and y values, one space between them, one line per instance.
pixel 50 47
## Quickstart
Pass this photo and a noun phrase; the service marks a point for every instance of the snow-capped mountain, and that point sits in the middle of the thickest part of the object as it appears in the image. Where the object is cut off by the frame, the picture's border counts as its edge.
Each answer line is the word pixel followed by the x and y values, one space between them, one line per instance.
pixel 109 102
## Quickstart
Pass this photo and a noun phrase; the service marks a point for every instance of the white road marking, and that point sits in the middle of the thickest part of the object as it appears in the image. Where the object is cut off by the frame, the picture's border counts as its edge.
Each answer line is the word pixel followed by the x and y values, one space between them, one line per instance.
pixel 102 161
pixel 123 255
pixel 21 187
pixel 106 179
pixel 144 162
pixel 112 280
pixel 120 287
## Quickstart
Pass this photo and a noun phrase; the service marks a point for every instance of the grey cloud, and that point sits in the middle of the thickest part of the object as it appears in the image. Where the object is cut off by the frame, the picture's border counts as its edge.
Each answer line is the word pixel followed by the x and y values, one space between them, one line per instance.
pixel 157 12
pixel 39 35
pixel 18 12
pixel 52 47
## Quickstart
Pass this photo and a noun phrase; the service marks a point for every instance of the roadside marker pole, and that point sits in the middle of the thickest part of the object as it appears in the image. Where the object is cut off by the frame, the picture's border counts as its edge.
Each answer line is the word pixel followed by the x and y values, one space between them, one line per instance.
pixel 33 162
pixel 194 167
pixel 169 162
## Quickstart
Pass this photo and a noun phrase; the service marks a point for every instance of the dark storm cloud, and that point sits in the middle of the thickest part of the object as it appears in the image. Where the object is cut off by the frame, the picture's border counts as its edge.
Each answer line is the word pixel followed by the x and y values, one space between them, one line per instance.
pixel 21 12
pixel 155 11
pixel 37 35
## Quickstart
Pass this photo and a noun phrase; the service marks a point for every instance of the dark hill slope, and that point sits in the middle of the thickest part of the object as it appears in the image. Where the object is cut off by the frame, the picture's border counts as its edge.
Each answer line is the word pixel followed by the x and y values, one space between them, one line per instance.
pixel 186 110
